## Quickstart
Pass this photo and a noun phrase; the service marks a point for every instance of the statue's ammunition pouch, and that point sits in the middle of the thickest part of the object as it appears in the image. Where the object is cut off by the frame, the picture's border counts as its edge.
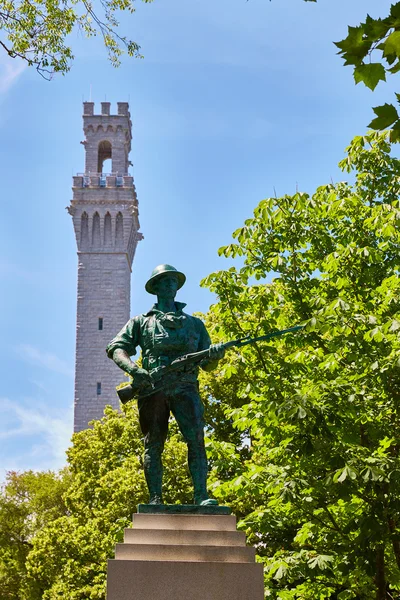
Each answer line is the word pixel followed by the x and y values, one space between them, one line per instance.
pixel 151 361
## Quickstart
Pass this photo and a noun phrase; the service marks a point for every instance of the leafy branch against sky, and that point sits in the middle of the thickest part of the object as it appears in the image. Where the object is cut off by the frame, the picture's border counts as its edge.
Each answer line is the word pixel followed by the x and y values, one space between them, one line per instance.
pixel 37 31
pixel 373 50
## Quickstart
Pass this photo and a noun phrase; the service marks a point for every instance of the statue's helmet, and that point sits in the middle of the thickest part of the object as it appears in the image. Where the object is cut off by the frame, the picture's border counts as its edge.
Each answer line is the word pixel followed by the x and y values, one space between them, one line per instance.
pixel 159 272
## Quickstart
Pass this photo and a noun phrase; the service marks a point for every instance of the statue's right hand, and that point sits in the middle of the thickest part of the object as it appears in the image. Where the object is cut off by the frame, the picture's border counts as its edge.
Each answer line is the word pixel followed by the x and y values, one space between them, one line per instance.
pixel 141 377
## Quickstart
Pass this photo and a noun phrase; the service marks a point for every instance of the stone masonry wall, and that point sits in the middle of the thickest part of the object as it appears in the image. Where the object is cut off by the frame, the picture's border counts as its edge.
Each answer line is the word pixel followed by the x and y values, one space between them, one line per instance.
pixel 103 292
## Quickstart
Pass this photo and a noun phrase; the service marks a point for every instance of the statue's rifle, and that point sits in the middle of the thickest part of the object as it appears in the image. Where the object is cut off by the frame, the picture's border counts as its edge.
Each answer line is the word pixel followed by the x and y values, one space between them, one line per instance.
pixel 180 364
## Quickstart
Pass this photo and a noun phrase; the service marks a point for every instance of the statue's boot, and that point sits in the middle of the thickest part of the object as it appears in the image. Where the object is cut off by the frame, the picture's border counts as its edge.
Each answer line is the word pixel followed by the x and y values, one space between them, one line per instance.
pixel 198 470
pixel 153 472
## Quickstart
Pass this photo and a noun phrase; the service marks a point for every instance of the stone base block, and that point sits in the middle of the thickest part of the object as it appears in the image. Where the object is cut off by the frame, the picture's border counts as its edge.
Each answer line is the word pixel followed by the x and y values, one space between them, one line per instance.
pixel 185 522
pixel 182 537
pixel 184 556
pixel 186 552
pixel 159 580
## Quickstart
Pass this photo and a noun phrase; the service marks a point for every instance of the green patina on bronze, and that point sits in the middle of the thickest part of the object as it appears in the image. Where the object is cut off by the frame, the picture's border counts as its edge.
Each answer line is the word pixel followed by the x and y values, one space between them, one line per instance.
pixel 164 334
pixel 174 345
pixel 183 509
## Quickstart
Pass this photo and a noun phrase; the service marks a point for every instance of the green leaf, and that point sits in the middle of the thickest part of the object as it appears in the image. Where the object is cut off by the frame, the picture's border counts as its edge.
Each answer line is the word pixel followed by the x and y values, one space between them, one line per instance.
pixel 301 413
pixel 354 47
pixel 395 325
pixel 395 133
pixel 346 595
pixel 370 74
pixel 281 572
pixel 321 561
pixel 392 44
pixel 376 29
pixel 395 10
pixel 386 116
pixel 342 474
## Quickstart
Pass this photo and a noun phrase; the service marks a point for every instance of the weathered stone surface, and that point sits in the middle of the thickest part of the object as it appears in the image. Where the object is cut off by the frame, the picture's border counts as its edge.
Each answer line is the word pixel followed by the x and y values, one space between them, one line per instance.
pixel 143 580
pixel 185 536
pixel 185 522
pixel 185 553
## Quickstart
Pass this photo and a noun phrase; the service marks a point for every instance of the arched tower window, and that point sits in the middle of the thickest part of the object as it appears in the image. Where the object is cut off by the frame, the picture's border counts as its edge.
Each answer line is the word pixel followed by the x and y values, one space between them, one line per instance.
pixel 105 154
pixel 84 229
pixel 96 230
pixel 119 230
pixel 107 230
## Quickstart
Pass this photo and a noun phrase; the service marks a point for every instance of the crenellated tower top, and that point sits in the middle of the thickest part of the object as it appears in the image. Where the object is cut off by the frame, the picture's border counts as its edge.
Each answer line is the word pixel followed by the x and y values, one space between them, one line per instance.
pixel 107 136
pixel 104 205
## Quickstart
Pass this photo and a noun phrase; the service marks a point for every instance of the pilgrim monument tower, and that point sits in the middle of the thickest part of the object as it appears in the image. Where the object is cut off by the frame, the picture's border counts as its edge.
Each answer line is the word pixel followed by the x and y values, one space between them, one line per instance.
pixel 104 210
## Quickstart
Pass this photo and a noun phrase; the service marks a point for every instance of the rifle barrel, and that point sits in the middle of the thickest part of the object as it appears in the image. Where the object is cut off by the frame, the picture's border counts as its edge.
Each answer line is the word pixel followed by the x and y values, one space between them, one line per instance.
pixel 260 338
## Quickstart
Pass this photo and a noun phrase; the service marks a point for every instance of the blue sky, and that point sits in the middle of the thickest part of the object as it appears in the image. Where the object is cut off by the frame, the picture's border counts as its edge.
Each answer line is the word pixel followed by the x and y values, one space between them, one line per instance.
pixel 232 101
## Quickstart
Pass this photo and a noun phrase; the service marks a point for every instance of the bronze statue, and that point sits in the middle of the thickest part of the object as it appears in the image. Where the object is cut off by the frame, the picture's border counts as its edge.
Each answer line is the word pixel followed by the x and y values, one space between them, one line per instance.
pixel 164 334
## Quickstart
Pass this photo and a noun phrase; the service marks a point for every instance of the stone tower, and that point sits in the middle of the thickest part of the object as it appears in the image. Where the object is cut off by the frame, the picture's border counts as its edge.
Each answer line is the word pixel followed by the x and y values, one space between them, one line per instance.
pixel 104 211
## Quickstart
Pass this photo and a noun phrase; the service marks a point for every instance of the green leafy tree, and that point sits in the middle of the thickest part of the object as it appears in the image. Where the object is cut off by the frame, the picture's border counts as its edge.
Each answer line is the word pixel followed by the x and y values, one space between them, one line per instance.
pixel 372 49
pixel 318 412
pixel 28 503
pixel 37 31
pixel 68 558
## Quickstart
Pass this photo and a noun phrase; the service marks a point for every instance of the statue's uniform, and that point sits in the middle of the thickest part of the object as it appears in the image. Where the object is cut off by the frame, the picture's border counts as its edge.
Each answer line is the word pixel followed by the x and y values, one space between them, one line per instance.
pixel 162 338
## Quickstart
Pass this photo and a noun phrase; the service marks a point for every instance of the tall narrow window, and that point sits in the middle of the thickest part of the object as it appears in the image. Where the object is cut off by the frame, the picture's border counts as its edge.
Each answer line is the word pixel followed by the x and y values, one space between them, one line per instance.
pixel 107 230
pixel 84 230
pixel 100 323
pixel 119 230
pixel 96 230
pixel 99 388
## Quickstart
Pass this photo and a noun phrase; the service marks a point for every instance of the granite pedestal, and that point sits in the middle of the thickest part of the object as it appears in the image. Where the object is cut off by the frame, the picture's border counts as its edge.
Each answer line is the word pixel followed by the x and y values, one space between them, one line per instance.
pixel 173 555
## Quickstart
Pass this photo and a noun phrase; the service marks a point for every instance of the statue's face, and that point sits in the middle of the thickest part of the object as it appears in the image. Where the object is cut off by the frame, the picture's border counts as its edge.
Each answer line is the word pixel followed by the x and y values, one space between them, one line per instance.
pixel 166 286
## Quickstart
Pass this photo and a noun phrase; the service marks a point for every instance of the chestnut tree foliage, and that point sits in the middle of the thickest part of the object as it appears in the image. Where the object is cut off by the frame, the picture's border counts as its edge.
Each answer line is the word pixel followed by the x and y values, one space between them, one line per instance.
pixel 29 502
pixel 372 49
pixel 57 532
pixel 316 475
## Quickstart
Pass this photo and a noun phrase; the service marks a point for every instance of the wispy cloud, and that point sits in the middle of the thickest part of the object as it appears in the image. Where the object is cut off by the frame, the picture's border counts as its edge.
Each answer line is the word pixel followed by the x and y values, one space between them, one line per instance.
pixel 10 71
pixel 42 434
pixel 44 359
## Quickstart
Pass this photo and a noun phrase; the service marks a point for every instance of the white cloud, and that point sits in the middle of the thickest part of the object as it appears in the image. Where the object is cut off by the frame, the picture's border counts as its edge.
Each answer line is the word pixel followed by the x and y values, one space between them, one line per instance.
pixel 10 70
pixel 42 435
pixel 44 359
pixel 42 387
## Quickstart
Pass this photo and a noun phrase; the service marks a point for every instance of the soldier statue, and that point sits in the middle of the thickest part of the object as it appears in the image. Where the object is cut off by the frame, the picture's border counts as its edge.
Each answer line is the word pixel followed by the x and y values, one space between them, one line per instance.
pixel 163 334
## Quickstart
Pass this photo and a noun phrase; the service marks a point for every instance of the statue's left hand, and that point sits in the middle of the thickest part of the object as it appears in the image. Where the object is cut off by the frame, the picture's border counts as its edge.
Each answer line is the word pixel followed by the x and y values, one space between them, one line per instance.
pixel 216 351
